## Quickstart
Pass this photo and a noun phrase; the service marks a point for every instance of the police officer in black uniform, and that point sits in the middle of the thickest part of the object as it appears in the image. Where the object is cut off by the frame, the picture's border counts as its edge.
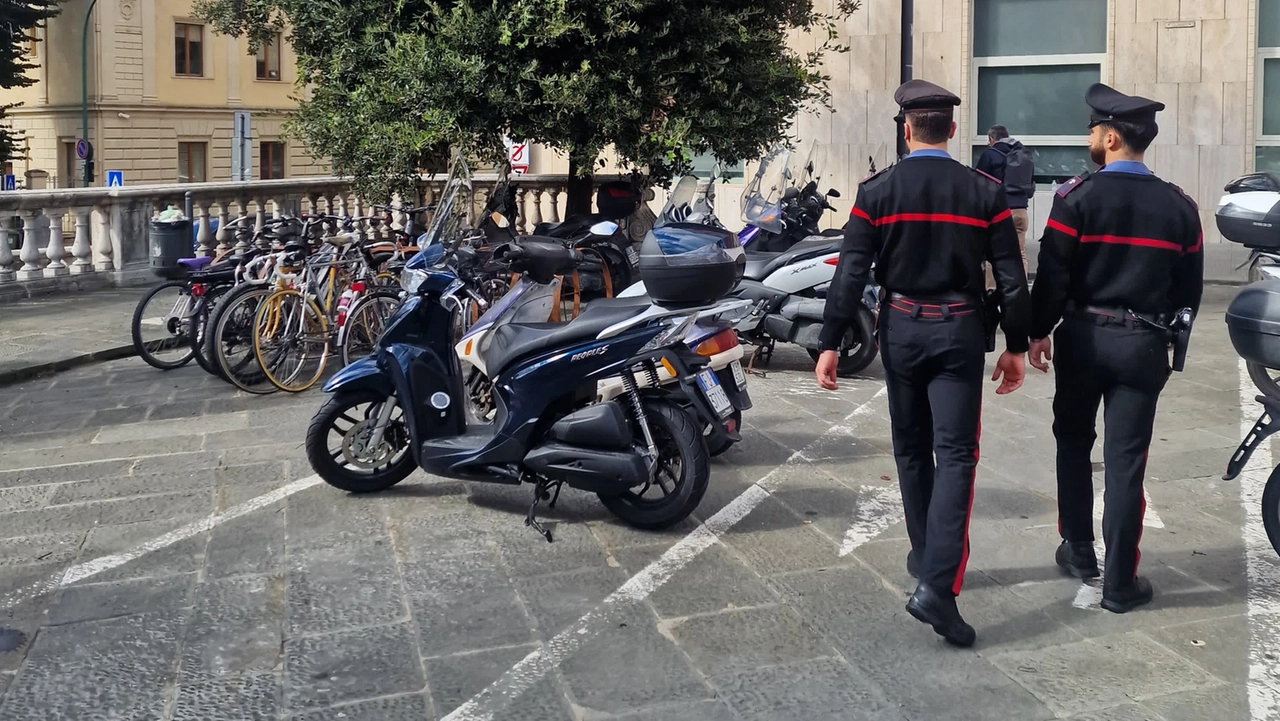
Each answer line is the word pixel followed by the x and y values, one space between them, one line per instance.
pixel 1121 254
pixel 930 223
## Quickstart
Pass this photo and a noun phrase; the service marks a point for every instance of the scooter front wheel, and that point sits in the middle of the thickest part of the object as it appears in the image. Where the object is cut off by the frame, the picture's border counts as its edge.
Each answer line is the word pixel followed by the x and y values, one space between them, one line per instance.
pixel 345 450
pixel 680 479
pixel 1271 509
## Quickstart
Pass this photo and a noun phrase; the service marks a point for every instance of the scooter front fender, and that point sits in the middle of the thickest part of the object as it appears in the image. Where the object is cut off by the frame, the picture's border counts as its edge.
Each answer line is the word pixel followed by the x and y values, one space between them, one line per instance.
pixel 364 374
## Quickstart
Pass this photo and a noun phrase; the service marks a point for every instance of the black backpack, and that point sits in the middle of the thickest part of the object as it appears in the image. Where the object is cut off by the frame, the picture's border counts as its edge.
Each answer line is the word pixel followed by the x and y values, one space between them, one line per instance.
pixel 1019 170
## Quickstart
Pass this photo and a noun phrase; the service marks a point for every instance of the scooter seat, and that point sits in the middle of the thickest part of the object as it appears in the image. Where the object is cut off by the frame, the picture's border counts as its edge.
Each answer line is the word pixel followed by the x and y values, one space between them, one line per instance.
pixel 760 265
pixel 508 343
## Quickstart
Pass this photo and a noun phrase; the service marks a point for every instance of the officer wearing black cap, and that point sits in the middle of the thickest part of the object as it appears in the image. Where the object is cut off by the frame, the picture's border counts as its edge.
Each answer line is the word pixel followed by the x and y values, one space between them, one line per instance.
pixel 929 223
pixel 1121 255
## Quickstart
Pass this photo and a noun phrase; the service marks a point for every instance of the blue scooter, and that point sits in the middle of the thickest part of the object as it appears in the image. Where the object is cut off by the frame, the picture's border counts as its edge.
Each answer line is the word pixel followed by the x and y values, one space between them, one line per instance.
pixel 643 453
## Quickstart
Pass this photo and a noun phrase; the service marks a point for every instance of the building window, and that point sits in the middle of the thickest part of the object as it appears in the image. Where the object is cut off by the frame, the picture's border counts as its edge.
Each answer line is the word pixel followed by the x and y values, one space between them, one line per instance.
pixel 188 50
pixel 269 59
pixel 1267 115
pixel 271 161
pixel 704 164
pixel 1033 61
pixel 191 162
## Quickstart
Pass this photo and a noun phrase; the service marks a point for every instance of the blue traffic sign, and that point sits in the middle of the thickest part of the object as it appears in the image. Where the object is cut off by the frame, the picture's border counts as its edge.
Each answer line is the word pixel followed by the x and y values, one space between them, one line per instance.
pixel 83 149
pixel 10 182
pixel 115 178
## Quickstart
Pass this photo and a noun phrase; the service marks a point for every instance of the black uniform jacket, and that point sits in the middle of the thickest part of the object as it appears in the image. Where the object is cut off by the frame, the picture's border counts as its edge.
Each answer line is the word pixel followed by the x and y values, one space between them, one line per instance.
pixel 1122 241
pixel 929 223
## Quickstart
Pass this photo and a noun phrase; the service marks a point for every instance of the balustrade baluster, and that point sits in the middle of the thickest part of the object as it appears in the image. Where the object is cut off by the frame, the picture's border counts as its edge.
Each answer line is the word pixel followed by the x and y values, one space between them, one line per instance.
pixel 204 236
pixel 6 253
pixel 224 234
pixel 81 249
pixel 30 253
pixel 243 231
pixel 103 248
pixel 55 251
pixel 535 217
pixel 555 206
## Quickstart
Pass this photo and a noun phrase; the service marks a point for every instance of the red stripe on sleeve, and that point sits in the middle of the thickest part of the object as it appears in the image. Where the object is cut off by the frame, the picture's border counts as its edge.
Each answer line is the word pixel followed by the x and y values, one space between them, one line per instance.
pixel 860 213
pixel 1003 215
pixel 1199 244
pixel 932 218
pixel 1126 240
pixel 1063 228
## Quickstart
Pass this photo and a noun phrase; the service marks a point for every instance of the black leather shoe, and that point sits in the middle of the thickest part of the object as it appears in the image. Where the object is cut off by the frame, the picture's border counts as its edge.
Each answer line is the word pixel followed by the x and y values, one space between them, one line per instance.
pixel 913 564
pixel 939 610
pixel 1127 598
pixel 1078 559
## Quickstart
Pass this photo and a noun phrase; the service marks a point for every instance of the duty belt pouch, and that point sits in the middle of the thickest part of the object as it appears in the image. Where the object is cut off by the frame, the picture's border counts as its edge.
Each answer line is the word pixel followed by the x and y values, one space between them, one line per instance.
pixel 990 317
pixel 1180 336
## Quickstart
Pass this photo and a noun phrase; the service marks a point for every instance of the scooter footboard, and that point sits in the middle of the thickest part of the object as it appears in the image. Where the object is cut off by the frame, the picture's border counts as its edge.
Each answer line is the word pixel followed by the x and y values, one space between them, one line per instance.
pixel 363 374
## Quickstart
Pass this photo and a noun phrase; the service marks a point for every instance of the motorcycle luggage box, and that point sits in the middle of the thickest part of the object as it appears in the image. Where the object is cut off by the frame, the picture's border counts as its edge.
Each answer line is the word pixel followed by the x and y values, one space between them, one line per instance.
pixel 1253 322
pixel 1249 213
pixel 690 264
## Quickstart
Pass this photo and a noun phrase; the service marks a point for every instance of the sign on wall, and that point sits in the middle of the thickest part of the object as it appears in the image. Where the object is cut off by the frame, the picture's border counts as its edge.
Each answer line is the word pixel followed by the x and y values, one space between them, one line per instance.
pixel 10 182
pixel 115 178
pixel 519 157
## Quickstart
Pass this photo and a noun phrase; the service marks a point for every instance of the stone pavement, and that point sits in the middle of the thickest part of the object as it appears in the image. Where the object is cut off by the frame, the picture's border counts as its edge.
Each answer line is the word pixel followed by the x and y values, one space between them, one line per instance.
pixel 49 333
pixel 302 602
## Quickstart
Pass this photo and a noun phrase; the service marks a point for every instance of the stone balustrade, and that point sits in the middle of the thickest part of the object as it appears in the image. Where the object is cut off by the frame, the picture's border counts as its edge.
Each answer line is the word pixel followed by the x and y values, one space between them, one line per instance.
pixel 55 238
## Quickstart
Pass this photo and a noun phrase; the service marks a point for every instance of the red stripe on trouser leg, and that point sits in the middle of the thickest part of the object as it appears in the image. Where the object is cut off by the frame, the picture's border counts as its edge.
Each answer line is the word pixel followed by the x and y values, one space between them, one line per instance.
pixel 973 484
pixel 1142 517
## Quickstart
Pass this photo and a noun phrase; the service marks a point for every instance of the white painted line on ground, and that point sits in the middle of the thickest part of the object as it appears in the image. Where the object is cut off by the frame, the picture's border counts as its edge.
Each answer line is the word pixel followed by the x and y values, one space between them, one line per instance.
pixel 528 671
pixel 88 569
pixel 1262 570
pixel 878 508
pixel 1089 595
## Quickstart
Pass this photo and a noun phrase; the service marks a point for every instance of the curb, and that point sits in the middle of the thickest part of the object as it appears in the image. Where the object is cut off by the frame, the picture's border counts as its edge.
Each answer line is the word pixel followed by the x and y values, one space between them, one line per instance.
pixel 19 375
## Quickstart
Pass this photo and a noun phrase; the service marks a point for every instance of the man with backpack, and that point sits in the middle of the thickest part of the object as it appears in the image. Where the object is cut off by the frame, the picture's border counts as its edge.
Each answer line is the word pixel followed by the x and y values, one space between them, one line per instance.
pixel 1009 162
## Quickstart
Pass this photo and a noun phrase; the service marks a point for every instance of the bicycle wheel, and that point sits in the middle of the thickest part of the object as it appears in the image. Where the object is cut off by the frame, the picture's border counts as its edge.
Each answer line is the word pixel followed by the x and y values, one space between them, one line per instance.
pixel 365 323
pixel 290 340
pixel 230 343
pixel 161 325
pixel 200 318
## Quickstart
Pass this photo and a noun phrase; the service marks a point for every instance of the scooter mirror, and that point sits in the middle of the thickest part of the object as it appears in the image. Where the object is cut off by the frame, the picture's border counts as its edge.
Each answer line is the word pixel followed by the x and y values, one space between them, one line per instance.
pixel 499 219
pixel 833 193
pixel 604 228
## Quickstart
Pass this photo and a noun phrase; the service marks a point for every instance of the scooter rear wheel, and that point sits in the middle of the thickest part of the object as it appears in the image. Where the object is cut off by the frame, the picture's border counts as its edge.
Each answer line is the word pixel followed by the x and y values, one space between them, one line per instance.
pixel 682 476
pixel 858 348
pixel 1271 509
pixel 338 443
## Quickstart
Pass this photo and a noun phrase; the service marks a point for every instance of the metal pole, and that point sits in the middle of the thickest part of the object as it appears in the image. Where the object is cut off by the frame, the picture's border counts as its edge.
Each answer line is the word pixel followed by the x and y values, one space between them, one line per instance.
pixel 907 60
pixel 84 81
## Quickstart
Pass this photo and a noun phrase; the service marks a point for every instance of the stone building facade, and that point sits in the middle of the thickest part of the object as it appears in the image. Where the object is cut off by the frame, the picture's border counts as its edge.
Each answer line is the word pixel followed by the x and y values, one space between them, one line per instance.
pixel 162 94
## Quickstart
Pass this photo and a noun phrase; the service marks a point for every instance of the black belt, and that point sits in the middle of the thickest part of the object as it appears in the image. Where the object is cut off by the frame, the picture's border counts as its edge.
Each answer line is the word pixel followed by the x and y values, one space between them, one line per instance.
pixel 938 306
pixel 1103 315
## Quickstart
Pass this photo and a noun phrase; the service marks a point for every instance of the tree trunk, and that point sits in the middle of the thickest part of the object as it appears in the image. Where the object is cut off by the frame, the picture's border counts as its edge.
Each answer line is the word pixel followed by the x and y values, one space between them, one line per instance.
pixel 579 190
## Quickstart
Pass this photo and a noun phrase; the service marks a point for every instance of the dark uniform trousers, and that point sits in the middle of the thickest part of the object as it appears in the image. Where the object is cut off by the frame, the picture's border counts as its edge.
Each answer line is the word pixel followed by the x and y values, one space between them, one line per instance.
pixel 1123 365
pixel 934 365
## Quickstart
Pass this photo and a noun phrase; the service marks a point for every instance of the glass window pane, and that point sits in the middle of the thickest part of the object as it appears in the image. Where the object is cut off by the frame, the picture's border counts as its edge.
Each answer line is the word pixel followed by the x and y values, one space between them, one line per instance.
pixel 1267 159
pixel 197 163
pixel 1271 96
pixel 704 164
pixel 180 49
pixel 1036 100
pixel 277 161
pixel 262 62
pixel 1039 27
pixel 195 49
pixel 184 165
pixel 1269 23
pixel 1054 163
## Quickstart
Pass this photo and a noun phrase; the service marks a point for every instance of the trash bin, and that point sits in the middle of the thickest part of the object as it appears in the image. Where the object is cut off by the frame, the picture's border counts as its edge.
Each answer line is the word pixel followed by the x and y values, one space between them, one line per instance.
pixel 170 242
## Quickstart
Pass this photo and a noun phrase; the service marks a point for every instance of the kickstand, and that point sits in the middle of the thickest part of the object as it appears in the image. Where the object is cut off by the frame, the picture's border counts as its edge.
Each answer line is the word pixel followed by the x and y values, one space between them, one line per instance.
pixel 540 493
pixel 762 353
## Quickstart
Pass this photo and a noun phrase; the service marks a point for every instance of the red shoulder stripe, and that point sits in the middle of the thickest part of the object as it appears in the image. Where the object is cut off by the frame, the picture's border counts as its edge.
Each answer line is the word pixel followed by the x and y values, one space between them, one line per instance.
pixel 1002 215
pixel 1062 228
pixel 860 213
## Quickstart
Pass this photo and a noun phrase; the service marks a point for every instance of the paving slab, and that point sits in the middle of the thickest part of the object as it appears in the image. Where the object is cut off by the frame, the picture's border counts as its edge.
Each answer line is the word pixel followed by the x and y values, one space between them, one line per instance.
pixel 318 604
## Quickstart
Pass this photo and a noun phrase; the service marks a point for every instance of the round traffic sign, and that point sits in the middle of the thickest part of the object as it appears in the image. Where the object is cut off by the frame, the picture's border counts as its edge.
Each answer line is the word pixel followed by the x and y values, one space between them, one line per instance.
pixel 84 150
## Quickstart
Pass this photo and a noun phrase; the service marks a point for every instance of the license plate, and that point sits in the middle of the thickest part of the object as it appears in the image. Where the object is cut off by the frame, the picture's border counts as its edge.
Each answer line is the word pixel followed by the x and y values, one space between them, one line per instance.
pixel 715 393
pixel 738 376
pixel 632 256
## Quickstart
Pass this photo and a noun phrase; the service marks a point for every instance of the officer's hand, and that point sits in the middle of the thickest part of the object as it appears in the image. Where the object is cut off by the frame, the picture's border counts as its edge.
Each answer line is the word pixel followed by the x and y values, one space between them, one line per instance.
pixel 1010 372
pixel 826 370
pixel 1040 354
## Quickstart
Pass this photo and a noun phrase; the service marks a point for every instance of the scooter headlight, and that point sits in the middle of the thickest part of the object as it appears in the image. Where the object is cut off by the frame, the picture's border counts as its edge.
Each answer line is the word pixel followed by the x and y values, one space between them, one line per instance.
pixel 675 333
pixel 411 279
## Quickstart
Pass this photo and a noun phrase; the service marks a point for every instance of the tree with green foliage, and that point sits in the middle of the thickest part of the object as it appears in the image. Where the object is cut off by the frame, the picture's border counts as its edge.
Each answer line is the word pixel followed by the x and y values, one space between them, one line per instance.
pixel 18 22
pixel 389 86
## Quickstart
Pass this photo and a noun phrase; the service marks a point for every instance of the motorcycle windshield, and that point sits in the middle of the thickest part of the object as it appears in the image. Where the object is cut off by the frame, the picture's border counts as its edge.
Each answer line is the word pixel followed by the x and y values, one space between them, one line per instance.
pixel 762 200
pixel 453 211
pixel 526 302
pixel 691 201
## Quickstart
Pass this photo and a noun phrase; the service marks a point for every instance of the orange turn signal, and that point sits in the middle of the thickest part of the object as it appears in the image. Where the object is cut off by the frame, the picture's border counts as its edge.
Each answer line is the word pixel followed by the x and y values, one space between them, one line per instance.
pixel 718 343
pixel 666 364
